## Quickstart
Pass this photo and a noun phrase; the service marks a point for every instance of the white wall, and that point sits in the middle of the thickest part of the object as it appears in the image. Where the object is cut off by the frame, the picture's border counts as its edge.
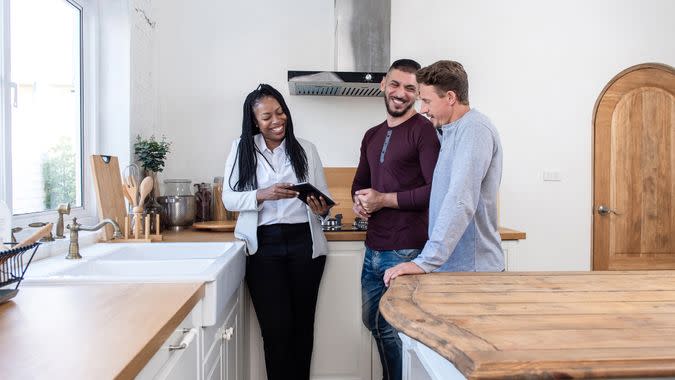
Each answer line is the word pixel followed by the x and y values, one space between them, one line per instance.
pixel 536 68
pixel 213 53
pixel 114 71
pixel 144 99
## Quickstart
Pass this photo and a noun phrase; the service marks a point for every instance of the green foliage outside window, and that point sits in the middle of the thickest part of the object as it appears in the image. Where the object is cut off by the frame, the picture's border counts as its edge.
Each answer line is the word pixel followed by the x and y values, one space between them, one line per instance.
pixel 58 173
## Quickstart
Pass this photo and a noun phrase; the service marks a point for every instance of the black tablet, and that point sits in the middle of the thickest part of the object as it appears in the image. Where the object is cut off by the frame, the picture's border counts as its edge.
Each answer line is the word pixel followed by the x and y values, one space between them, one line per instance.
pixel 306 189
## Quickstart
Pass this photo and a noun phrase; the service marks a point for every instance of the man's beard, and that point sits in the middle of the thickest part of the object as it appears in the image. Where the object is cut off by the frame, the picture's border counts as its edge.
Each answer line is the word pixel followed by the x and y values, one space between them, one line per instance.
pixel 396 113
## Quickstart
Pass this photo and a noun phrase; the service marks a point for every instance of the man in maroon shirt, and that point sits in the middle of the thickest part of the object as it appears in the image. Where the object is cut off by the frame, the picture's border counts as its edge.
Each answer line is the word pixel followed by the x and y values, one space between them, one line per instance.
pixel 391 189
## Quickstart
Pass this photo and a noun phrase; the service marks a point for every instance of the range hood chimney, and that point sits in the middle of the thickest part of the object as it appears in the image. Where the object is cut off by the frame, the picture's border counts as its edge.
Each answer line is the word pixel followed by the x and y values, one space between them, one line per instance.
pixel 362 29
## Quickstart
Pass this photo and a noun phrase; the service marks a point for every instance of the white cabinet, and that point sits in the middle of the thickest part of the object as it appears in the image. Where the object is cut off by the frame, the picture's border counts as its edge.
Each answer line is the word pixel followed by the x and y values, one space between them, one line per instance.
pixel 231 349
pixel 422 363
pixel 510 257
pixel 342 345
pixel 178 358
pixel 193 352
pixel 223 343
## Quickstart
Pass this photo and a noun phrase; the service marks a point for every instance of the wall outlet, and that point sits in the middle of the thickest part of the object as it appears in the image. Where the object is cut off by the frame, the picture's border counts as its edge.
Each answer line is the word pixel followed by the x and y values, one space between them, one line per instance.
pixel 551 175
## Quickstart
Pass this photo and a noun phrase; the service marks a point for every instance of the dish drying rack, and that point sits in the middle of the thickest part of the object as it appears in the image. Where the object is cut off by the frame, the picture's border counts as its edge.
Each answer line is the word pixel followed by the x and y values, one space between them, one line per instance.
pixel 13 266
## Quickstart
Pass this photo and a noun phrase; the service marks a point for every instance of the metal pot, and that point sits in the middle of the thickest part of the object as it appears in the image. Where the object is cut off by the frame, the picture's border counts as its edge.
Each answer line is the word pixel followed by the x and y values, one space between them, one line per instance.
pixel 178 211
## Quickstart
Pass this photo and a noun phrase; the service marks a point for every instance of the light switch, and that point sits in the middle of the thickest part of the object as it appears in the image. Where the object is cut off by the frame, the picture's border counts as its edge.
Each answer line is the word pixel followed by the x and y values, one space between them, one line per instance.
pixel 551 175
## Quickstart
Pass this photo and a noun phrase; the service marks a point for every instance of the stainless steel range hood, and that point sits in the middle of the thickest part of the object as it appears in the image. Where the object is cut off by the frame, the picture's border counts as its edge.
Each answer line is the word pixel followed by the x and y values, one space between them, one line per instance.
pixel 361 53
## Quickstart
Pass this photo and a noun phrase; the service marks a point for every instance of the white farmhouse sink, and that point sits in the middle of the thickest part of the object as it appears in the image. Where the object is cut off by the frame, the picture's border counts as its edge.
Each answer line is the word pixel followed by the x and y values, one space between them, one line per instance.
pixel 167 251
pixel 143 270
pixel 220 265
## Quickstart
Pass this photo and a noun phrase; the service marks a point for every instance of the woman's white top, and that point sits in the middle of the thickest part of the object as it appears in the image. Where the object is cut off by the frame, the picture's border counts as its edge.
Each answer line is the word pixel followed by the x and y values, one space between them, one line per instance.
pixel 252 214
pixel 274 167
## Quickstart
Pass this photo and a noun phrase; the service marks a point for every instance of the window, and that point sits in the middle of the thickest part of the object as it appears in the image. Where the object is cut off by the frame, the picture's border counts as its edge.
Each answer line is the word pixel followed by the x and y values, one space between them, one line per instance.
pixel 43 103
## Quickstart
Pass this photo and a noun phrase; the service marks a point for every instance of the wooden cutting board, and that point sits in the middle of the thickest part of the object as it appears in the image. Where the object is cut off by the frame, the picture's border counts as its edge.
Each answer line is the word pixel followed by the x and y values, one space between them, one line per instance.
pixel 216 225
pixel 108 185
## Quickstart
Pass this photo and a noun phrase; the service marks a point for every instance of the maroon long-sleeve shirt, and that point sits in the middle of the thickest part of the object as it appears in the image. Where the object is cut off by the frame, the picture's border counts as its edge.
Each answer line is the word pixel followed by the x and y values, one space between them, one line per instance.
pixel 405 168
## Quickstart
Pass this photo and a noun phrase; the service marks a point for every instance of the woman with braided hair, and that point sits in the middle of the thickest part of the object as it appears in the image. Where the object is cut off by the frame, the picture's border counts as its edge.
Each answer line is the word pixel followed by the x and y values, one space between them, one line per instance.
pixel 285 245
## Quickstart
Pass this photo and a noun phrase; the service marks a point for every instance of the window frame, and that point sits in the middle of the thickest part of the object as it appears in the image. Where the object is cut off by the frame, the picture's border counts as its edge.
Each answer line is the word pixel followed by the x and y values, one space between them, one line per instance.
pixel 88 122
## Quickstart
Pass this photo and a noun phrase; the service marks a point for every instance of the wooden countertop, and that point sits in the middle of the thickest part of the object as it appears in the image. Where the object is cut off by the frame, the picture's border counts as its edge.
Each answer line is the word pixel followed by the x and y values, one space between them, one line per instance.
pixel 509 234
pixel 193 235
pixel 101 331
pixel 541 325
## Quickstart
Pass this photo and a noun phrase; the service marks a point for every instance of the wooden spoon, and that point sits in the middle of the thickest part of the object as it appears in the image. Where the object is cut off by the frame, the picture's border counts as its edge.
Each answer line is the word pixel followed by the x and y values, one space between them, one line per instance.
pixel 132 190
pixel 146 188
pixel 127 196
pixel 39 234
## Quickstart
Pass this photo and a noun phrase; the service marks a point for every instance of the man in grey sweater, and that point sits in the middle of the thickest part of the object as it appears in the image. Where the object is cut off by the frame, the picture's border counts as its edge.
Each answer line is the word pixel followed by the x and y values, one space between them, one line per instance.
pixel 463 234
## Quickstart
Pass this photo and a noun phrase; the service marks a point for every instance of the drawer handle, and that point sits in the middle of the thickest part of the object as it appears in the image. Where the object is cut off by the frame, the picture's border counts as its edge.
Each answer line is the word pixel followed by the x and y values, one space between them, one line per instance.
pixel 227 335
pixel 187 339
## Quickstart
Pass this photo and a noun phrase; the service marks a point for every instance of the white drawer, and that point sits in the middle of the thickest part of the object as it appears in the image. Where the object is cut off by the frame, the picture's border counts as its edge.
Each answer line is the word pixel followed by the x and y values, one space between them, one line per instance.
pixel 184 332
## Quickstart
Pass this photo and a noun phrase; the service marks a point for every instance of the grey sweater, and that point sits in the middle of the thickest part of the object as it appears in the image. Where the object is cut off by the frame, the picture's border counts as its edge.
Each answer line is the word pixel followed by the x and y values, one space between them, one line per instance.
pixel 463 234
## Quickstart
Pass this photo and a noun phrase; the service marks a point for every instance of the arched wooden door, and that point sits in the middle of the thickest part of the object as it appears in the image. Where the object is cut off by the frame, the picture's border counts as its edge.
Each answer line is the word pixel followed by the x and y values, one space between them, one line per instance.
pixel 634 171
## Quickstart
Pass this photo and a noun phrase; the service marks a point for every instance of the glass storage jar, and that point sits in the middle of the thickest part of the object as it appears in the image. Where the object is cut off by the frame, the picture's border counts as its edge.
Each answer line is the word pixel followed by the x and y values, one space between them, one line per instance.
pixel 177 187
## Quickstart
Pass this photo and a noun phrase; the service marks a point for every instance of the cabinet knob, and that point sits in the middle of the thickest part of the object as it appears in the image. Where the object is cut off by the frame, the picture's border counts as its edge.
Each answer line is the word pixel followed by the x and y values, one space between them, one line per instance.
pixel 227 334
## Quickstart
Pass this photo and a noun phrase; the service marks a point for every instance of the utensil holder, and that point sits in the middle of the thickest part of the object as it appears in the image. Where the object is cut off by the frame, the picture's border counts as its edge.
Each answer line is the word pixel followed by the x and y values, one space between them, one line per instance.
pixel 139 231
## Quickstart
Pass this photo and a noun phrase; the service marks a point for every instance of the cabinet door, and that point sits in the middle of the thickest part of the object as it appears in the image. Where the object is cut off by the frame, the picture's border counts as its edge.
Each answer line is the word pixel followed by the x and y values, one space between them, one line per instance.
pixel 230 350
pixel 342 344
pixel 215 373
pixel 212 341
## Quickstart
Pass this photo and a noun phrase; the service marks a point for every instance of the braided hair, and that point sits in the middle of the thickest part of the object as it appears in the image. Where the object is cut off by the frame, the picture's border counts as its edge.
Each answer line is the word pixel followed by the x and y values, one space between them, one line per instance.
pixel 247 159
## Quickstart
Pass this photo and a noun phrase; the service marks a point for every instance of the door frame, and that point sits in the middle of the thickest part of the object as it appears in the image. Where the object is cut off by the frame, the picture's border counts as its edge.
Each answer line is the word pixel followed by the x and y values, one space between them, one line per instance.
pixel 602 263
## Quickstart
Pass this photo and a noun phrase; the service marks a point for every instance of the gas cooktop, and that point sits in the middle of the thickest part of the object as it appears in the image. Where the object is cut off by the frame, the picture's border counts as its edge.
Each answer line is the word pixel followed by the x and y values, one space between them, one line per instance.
pixel 335 225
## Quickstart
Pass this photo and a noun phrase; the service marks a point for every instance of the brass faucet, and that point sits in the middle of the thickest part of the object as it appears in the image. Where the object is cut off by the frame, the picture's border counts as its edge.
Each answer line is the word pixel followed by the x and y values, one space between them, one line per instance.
pixel 74 248
pixel 63 209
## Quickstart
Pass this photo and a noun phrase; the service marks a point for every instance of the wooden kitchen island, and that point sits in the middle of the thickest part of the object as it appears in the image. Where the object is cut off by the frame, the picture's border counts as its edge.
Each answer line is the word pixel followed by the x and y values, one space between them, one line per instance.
pixel 560 325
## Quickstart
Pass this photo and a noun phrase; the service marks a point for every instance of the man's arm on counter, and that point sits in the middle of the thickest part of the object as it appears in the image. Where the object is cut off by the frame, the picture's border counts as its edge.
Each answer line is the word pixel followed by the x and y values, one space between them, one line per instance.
pixel 470 164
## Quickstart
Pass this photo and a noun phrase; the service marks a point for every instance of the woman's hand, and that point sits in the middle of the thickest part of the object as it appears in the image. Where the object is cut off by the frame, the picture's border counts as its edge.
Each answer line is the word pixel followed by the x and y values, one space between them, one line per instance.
pixel 318 205
pixel 277 191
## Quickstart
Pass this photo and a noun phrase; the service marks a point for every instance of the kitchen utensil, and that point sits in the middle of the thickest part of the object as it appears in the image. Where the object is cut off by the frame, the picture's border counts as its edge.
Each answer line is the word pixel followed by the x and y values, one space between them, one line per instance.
pixel 132 189
pixel 178 212
pixel 128 197
pixel 37 235
pixel 108 185
pixel 47 237
pixel 131 174
pixel 146 188
pixel 216 225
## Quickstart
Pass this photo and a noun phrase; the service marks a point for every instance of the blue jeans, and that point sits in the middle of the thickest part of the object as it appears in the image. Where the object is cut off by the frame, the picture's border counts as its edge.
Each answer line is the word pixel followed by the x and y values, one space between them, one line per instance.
pixel 372 289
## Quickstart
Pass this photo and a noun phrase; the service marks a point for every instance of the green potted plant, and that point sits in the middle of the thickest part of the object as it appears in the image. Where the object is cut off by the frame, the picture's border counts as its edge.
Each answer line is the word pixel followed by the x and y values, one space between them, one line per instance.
pixel 151 154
